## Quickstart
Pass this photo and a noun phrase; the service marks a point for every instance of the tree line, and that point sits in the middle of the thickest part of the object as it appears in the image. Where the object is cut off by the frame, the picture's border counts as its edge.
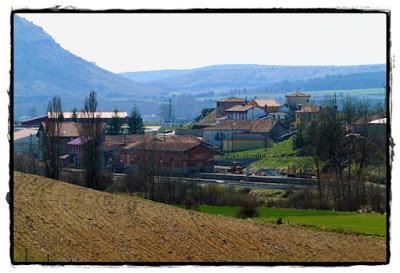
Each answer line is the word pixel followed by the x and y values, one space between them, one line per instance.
pixel 341 154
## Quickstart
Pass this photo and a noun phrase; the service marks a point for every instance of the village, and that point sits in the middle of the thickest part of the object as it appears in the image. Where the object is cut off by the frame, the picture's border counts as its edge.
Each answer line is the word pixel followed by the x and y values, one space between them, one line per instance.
pixel 235 124
pixel 209 136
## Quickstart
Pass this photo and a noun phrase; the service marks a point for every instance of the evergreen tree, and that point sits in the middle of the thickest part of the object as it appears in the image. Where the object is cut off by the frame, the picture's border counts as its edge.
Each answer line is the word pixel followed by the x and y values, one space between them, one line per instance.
pixel 74 116
pixel 135 122
pixel 115 123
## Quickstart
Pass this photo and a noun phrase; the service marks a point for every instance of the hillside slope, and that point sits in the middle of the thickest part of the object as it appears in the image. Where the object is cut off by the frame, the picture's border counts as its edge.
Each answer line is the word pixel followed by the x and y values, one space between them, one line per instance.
pixel 42 69
pixel 70 223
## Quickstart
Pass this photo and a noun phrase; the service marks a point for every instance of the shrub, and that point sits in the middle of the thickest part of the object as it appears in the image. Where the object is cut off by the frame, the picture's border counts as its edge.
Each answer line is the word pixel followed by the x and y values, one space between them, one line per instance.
pixel 106 180
pixel 191 203
pixel 248 208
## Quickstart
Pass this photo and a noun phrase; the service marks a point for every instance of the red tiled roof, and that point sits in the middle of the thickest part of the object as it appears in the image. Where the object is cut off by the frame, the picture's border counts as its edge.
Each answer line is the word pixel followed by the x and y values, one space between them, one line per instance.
pixel 69 128
pixel 240 108
pixel 297 94
pixel 265 102
pixel 231 99
pixel 169 143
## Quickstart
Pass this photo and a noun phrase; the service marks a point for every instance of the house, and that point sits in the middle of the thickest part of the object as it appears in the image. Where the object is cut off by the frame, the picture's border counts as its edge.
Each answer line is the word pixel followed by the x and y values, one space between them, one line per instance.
pixel 372 121
pixel 238 135
pixel 112 150
pixel 227 103
pixel 73 157
pixel 70 142
pixel 269 105
pixel 245 112
pixel 169 154
pixel 69 132
pixel 295 99
pixel 306 114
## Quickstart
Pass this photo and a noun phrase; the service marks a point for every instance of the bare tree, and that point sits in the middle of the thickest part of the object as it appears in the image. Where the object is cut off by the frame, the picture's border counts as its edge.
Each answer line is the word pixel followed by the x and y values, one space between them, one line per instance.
pixel 90 131
pixel 315 147
pixel 52 140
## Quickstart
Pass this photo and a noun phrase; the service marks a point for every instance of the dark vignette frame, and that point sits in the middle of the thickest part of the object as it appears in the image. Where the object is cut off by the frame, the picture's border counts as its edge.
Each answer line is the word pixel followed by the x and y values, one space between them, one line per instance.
pixel 389 139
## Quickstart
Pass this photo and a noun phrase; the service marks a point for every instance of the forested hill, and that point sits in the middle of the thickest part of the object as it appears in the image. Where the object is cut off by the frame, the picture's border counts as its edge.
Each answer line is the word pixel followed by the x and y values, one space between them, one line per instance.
pixel 227 77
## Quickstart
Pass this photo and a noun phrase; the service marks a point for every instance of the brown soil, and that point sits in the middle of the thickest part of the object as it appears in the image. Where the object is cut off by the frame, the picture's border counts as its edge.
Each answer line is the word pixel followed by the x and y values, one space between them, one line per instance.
pixel 71 223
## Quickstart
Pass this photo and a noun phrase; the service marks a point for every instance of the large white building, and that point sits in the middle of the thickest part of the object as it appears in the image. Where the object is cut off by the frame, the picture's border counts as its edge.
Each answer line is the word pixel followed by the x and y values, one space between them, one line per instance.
pixel 245 112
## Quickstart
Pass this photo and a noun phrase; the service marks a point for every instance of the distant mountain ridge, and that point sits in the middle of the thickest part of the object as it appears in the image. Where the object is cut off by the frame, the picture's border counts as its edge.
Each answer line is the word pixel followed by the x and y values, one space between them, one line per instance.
pixel 252 76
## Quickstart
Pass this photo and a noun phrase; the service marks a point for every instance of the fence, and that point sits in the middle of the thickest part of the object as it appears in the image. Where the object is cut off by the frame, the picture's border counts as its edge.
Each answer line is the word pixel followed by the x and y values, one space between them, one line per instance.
pixel 243 155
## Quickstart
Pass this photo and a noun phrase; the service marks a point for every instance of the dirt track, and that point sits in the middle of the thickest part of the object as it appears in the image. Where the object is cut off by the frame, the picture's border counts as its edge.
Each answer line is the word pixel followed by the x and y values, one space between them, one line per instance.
pixel 70 223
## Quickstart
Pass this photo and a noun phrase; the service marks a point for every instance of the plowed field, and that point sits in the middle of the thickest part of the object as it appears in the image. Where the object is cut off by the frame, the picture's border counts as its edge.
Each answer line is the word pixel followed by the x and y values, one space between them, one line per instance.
pixel 65 222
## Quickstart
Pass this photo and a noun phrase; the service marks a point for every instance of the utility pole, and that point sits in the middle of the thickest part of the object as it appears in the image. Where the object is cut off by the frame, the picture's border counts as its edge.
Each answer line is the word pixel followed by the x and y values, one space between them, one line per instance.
pixel 170 111
pixel 31 153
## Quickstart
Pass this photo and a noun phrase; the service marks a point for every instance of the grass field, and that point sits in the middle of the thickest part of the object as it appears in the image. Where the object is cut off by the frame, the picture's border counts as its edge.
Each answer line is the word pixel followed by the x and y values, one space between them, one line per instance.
pixel 363 223
pixel 279 156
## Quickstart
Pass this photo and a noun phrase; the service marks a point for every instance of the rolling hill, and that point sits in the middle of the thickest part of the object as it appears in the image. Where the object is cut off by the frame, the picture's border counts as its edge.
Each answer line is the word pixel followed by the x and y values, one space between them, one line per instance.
pixel 220 78
pixel 71 223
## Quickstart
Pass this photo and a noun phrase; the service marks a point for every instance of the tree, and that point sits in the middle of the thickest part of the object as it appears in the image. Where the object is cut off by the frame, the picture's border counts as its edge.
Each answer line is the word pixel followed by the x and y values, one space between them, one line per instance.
pixel 74 116
pixel 135 122
pixel 115 123
pixel 90 131
pixel 335 136
pixel 52 141
pixel 204 113
pixel 314 146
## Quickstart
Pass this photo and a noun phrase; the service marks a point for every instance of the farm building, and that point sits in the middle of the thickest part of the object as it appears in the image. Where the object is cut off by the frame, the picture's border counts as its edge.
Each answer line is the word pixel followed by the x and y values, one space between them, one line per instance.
pixel 104 116
pixel 242 134
pixel 170 154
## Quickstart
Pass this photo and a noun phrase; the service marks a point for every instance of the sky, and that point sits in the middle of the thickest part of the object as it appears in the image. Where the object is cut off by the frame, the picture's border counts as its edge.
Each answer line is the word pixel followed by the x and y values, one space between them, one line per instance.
pixel 141 42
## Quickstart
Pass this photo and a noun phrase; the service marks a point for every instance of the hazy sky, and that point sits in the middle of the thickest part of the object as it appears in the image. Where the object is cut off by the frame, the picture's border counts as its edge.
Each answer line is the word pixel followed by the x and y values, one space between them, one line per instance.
pixel 136 42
